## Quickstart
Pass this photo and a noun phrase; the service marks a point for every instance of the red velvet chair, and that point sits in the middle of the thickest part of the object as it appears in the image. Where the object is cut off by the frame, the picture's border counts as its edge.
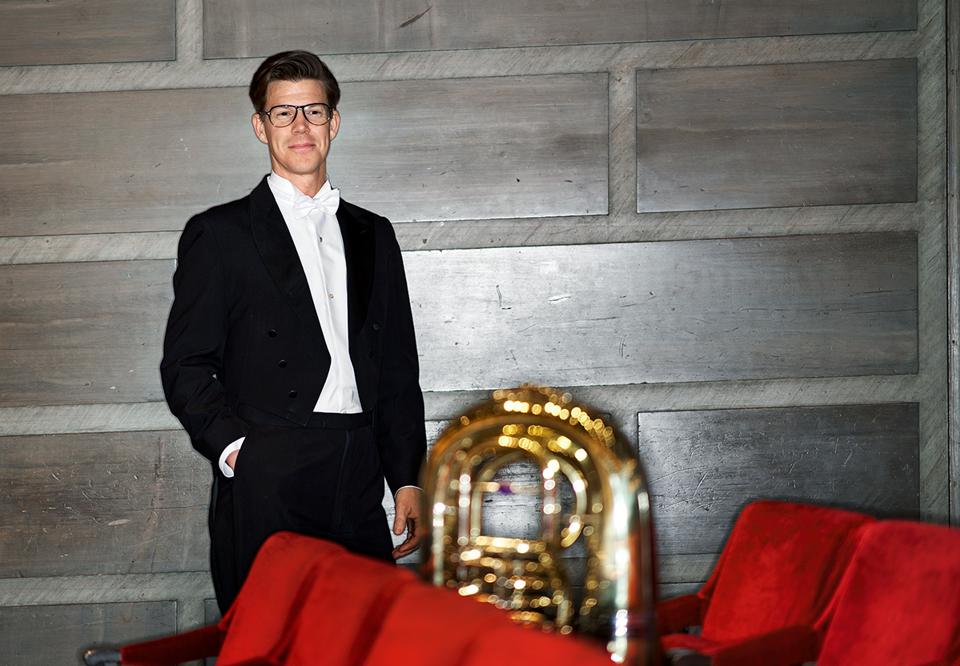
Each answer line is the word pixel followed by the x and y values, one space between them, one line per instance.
pixel 284 613
pixel 309 601
pixel 307 597
pixel 765 601
pixel 899 601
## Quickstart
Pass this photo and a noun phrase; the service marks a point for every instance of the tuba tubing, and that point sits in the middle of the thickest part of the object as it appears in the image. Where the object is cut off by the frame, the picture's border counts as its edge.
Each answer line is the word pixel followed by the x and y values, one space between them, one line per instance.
pixel 609 517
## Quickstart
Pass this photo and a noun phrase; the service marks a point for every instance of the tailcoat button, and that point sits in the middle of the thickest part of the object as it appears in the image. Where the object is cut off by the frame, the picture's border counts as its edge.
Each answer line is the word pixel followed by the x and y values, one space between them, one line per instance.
pixel 282 363
pixel 376 326
pixel 272 332
pixel 292 394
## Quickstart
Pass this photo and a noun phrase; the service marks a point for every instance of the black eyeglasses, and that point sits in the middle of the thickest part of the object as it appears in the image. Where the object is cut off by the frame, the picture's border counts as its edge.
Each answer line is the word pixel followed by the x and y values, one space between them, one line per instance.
pixel 284 114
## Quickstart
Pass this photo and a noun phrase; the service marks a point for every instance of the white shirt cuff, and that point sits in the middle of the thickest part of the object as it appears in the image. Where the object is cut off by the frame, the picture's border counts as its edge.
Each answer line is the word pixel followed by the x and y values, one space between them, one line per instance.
pixel 231 447
pixel 402 487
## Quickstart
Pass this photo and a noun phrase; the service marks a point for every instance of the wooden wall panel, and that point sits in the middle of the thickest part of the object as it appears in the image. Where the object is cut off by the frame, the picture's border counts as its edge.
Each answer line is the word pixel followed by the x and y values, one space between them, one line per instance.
pixel 83 333
pixel 243 28
pixel 475 148
pixel 102 503
pixel 777 135
pixel 442 149
pixel 70 31
pixel 704 466
pixel 568 316
pixel 666 312
pixel 31 635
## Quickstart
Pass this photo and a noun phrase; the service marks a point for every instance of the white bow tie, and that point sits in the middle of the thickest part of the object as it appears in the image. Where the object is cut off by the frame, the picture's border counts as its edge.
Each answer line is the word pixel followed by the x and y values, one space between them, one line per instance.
pixel 326 201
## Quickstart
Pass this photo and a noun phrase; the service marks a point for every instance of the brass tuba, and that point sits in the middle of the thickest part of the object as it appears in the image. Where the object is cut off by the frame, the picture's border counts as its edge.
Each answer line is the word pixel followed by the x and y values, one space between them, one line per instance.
pixel 608 513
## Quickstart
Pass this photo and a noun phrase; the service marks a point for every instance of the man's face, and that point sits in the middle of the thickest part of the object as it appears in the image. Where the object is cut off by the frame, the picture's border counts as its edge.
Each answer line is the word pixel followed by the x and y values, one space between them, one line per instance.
pixel 299 149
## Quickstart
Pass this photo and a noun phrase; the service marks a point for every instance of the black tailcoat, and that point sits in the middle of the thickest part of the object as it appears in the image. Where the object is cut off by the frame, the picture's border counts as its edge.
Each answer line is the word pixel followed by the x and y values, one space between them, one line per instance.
pixel 244 347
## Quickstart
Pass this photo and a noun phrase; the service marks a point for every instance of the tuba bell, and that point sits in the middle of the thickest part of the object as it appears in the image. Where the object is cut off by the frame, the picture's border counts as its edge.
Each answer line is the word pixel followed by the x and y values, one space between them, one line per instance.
pixel 591 495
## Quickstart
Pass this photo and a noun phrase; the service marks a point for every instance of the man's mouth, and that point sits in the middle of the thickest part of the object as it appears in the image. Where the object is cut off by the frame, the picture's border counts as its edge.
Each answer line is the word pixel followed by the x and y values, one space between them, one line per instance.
pixel 301 147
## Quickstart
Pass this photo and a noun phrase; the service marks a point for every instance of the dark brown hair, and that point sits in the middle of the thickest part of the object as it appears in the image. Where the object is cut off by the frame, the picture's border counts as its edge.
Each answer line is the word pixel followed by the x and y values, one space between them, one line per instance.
pixel 292 66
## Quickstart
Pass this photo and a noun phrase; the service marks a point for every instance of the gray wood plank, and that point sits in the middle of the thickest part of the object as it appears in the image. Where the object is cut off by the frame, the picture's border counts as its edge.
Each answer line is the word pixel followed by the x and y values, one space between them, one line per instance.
pixel 812 306
pixel 70 31
pixel 189 586
pixel 953 250
pixel 102 504
pixel 211 613
pixel 31 635
pixel 777 135
pixel 704 466
pixel 117 503
pixel 666 312
pixel 81 333
pixel 241 28
pixel 671 590
pixel 475 148
pixel 411 150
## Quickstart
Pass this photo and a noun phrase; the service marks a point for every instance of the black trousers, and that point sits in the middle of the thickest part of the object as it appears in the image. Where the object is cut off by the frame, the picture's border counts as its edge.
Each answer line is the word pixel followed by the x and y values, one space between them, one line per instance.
pixel 321 480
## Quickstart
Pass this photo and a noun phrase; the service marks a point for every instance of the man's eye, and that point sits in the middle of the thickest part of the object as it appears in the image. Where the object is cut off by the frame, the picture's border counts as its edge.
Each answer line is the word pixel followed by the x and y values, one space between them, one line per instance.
pixel 282 113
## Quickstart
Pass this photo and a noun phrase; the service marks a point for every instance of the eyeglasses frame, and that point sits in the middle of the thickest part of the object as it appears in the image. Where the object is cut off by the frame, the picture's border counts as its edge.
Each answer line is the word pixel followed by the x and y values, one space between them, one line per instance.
pixel 298 109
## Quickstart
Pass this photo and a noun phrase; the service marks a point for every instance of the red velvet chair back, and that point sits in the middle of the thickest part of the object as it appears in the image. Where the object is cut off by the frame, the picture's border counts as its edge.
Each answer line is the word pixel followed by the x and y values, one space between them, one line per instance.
pixel 780 567
pixel 899 602
pixel 259 624
pixel 345 610
pixel 431 626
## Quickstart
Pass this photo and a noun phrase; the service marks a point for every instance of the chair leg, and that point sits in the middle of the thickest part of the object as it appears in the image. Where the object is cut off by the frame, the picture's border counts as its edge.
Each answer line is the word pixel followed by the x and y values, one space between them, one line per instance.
pixel 101 657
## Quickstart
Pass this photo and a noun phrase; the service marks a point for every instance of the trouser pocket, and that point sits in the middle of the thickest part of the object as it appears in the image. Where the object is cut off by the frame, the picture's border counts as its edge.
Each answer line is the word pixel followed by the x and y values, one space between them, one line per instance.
pixel 359 489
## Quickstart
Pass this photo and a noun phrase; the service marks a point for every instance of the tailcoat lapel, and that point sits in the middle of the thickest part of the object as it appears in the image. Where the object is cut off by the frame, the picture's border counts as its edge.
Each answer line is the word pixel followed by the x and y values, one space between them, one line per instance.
pixel 358 246
pixel 279 254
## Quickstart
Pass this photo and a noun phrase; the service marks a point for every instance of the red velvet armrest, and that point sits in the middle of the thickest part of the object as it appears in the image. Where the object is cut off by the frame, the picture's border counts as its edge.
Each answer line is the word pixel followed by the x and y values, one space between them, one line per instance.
pixel 188 646
pixel 781 647
pixel 674 615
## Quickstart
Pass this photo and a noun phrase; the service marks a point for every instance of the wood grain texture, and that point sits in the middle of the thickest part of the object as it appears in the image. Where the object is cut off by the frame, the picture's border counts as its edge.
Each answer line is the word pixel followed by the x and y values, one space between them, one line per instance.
pixel 666 312
pixel 211 613
pixel 953 251
pixel 704 466
pixel 245 28
pixel 47 591
pixel 102 504
pixel 620 400
pixel 438 150
pixel 189 72
pixel 117 503
pixel 625 226
pixel 87 31
pixel 475 148
pixel 31 635
pixel 777 135
pixel 568 316
pixel 76 333
pixel 934 460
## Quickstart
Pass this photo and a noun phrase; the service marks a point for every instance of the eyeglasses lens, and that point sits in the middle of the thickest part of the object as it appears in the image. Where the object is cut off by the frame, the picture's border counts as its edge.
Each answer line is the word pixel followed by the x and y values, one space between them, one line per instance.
pixel 283 115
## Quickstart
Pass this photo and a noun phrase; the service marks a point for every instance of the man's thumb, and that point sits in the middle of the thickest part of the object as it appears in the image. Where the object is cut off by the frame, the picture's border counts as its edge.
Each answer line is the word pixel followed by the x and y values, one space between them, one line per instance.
pixel 398 523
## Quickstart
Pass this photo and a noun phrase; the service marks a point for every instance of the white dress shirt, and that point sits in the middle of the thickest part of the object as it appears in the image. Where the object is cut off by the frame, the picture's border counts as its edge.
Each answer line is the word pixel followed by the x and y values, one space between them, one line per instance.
pixel 313 225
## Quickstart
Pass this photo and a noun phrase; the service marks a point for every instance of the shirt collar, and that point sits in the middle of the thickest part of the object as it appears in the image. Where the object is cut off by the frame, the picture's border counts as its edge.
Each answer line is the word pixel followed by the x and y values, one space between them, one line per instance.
pixel 287 191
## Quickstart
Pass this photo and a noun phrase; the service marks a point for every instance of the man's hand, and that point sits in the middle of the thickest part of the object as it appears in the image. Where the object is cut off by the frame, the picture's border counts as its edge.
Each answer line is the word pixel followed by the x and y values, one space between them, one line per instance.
pixel 408 516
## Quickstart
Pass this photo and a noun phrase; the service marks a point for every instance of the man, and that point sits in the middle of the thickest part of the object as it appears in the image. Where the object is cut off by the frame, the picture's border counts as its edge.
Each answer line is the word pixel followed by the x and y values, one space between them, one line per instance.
pixel 289 355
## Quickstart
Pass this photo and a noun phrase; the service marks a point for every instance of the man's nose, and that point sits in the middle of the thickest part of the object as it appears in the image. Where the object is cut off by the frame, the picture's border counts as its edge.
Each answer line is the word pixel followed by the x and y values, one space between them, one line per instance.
pixel 300 123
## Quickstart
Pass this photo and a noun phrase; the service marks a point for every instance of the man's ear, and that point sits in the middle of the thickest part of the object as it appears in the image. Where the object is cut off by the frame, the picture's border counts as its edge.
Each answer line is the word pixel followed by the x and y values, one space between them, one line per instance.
pixel 257 121
pixel 334 124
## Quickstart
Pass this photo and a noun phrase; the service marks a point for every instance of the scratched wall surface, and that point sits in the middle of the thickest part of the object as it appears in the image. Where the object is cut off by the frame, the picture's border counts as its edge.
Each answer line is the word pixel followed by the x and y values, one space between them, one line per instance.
pixel 725 225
